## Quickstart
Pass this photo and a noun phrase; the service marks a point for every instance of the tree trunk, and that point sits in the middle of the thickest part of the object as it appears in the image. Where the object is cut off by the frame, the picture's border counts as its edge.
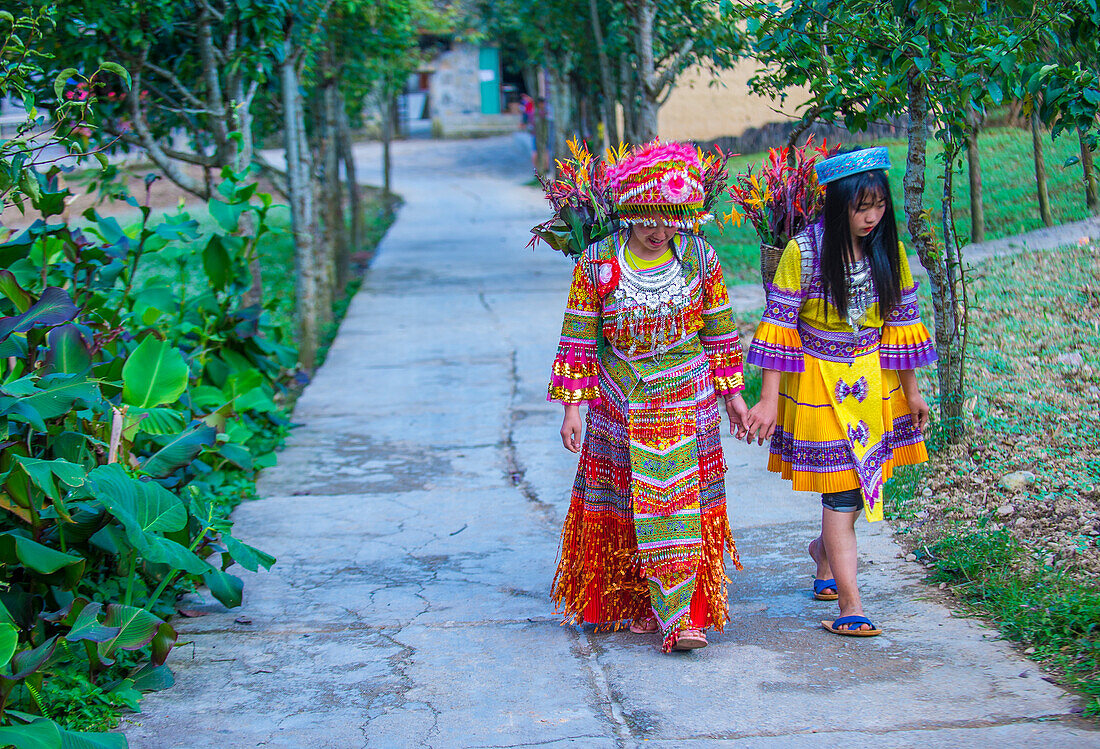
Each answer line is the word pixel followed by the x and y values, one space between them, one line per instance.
pixel 561 99
pixel 645 14
pixel 387 138
pixel 628 78
pixel 335 222
pixel 610 124
pixel 1040 168
pixel 974 169
pixel 940 283
pixel 1092 199
pixel 355 194
pixel 300 187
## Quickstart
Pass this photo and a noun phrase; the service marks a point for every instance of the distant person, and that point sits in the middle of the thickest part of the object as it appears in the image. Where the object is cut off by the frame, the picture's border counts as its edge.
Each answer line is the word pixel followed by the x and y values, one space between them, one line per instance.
pixel 839 342
pixel 649 345
pixel 528 125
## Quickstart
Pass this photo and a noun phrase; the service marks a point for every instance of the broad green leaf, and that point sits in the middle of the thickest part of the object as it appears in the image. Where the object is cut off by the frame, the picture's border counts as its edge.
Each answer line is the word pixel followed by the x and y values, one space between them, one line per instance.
pixel 52 308
pixel 154 374
pixel 61 81
pixel 67 352
pixel 91 740
pixel 41 559
pixel 136 629
pixel 9 640
pixel 39 734
pixel 215 259
pixel 238 455
pixel 26 662
pixel 118 70
pixel 141 506
pixel 227 215
pixel 88 627
pixel 58 393
pixel 150 678
pixel 227 588
pixel 163 642
pixel 159 421
pixel 162 550
pixel 247 556
pixel 10 288
pixel 42 473
pixel 179 451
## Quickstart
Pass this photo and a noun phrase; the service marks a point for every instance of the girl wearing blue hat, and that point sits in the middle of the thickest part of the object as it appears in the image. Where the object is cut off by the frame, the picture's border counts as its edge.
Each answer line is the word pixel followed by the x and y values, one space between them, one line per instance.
pixel 839 342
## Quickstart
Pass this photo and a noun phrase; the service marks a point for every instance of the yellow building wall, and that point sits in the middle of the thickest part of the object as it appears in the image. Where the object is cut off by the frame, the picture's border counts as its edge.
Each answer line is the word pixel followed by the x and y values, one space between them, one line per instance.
pixel 698 110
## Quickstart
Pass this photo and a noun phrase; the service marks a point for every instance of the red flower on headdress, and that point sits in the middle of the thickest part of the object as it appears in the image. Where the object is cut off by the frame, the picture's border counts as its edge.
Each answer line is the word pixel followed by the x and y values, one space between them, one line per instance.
pixel 607 276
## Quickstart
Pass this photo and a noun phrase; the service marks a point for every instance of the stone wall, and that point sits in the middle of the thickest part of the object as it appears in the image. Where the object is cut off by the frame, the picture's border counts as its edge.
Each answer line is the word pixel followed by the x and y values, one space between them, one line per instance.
pixel 455 87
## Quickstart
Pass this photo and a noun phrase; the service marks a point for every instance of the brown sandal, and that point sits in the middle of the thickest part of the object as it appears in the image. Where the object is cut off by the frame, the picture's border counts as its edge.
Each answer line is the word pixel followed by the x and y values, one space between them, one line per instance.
pixel 690 639
pixel 644 626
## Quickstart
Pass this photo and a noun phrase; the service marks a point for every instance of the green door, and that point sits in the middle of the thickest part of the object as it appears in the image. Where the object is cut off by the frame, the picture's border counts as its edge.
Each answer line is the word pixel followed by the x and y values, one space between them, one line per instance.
pixel 489 70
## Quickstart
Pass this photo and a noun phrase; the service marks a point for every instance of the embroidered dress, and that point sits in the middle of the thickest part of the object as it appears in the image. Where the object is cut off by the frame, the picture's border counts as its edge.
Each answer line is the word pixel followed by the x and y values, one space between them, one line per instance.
pixel 647 527
pixel 843 420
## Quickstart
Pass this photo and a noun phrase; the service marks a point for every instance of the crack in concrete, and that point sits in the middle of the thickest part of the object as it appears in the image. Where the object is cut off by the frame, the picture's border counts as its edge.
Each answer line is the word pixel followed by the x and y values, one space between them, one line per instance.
pixel 604 697
pixel 513 466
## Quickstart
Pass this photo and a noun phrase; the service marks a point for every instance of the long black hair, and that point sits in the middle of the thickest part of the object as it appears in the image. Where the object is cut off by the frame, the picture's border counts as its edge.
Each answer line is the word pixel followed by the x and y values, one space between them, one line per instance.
pixel 880 246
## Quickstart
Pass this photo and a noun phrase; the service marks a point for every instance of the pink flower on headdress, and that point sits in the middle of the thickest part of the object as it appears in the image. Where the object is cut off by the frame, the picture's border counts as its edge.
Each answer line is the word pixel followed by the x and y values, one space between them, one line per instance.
pixel 675 187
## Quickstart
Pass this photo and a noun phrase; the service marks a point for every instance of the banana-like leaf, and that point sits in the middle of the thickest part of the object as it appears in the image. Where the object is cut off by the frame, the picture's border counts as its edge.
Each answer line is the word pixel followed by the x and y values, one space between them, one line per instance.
pixel 179 451
pixel 42 473
pixel 215 258
pixel 162 550
pixel 150 678
pixel 163 642
pixel 91 740
pixel 247 556
pixel 141 506
pixel 228 589
pixel 10 288
pixel 9 640
pixel 238 455
pixel 88 627
pixel 158 421
pixel 154 374
pixel 52 308
pixel 26 662
pixel 38 734
pixel 16 549
pixel 58 393
pixel 68 351
pixel 136 629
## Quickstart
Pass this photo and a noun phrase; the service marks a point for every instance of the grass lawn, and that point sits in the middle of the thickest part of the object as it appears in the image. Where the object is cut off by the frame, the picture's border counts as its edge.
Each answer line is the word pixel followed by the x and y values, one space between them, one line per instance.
pixel 1029 557
pixel 1008 181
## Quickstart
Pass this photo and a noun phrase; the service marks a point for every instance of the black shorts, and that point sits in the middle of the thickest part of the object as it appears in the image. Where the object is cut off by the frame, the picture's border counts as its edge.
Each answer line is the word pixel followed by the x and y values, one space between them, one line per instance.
pixel 850 500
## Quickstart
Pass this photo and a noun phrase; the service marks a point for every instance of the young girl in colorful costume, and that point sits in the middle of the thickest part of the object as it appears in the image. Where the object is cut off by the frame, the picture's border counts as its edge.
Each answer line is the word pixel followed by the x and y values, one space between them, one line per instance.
pixel 649 345
pixel 839 341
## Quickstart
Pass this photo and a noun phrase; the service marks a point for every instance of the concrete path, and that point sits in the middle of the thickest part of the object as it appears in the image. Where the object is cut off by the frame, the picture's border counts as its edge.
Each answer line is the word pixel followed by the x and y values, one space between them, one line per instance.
pixel 415 515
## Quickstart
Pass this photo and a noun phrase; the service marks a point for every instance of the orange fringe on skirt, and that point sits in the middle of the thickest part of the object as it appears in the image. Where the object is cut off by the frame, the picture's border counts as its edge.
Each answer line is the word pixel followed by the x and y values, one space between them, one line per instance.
pixel 598 579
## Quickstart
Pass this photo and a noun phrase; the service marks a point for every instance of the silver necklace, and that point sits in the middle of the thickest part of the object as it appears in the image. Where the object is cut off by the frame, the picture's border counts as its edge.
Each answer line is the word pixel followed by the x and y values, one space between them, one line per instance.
pixel 660 295
pixel 861 291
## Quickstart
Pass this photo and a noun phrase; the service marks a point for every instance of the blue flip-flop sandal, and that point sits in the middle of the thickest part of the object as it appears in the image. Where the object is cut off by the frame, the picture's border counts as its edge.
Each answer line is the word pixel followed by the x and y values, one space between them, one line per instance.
pixel 820 585
pixel 852 620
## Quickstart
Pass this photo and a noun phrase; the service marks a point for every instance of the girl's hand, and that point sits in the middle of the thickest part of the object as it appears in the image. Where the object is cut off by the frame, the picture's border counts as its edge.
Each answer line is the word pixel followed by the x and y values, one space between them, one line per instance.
pixel 761 421
pixel 918 410
pixel 738 411
pixel 572 429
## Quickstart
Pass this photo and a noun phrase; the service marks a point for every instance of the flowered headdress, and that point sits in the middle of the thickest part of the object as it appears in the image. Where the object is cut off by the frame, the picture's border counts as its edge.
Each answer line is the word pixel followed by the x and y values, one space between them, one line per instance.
pixel 660 180
pixel 593 197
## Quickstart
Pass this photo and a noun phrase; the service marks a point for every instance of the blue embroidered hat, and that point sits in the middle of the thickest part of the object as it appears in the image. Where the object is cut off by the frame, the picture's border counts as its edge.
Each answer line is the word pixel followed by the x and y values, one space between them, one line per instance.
pixel 846 164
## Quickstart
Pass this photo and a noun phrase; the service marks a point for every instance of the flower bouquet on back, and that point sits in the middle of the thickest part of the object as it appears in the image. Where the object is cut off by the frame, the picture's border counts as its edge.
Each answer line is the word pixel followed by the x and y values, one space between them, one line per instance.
pixel 582 199
pixel 782 200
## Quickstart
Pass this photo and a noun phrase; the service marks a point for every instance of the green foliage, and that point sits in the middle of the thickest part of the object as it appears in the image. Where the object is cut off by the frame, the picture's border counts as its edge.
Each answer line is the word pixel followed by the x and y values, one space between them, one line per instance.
pixel 132 408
